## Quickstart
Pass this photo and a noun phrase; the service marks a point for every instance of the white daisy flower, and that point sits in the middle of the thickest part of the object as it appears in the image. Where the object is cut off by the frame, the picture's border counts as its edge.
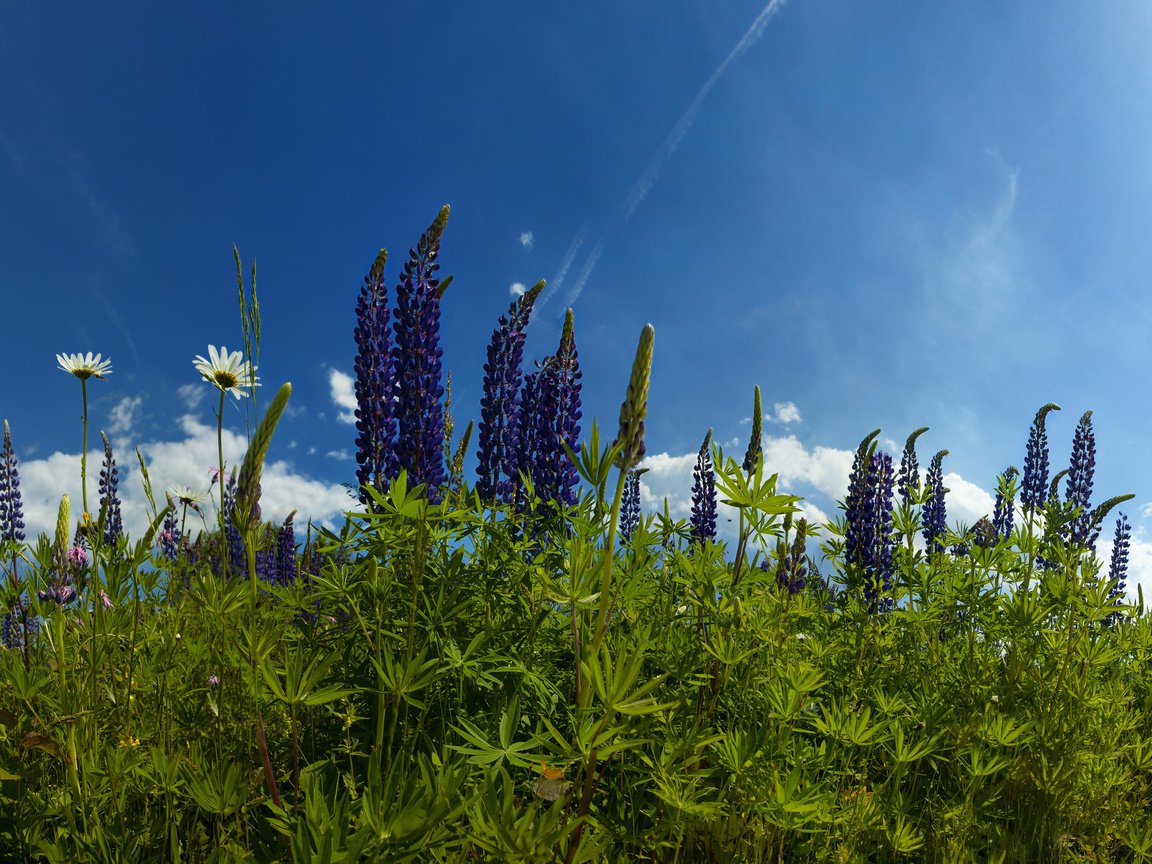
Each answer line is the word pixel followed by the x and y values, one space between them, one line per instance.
pixel 85 366
pixel 227 371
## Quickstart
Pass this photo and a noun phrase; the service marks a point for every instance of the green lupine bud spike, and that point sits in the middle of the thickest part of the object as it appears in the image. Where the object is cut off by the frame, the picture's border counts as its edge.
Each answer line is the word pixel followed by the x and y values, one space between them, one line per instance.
pixel 911 442
pixel 530 296
pixel 1101 512
pixel 567 335
pixel 436 229
pixel 867 444
pixel 635 406
pixel 63 532
pixel 253 465
pixel 376 273
pixel 443 286
pixel 752 456
pixel 1054 486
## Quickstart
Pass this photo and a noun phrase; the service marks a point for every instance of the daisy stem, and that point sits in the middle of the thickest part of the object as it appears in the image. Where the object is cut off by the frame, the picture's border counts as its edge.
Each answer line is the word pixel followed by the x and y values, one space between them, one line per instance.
pixel 220 477
pixel 84 451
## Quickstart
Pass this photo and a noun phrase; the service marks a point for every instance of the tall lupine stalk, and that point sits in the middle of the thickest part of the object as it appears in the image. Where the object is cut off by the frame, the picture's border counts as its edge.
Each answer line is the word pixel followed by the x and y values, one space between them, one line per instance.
pixel 868 538
pixel 703 518
pixel 109 496
pixel 12 534
pixel 500 417
pixel 1002 516
pixel 1078 491
pixel 556 422
pixel 629 448
pixel 1118 566
pixel 935 511
pixel 416 358
pixel 856 501
pixel 1034 485
pixel 755 439
pixel 877 560
pixel 375 385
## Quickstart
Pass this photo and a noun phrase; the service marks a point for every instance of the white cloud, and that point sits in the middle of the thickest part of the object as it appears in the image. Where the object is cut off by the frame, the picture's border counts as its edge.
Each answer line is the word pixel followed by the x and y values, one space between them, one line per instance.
pixel 184 461
pixel 191 395
pixel 527 239
pixel 517 289
pixel 786 412
pixel 338 454
pixel 343 394
pixel 122 417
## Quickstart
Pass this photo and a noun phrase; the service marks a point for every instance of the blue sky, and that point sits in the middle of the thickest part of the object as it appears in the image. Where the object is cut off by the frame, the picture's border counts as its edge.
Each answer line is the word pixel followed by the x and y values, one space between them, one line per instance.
pixel 886 215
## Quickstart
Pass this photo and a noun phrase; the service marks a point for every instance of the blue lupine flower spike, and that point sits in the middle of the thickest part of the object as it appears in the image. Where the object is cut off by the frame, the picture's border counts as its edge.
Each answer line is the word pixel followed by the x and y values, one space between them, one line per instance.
pixel 416 357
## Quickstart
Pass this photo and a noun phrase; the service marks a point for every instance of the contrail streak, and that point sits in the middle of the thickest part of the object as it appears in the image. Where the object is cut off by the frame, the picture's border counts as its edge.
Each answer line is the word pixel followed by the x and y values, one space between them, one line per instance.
pixel 664 152
pixel 562 272
pixel 667 148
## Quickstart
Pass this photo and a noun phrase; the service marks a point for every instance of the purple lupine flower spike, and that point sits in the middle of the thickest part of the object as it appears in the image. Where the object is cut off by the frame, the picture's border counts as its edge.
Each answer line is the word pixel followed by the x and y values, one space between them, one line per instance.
pixel 526 437
pixel 236 558
pixel 1078 491
pixel 286 565
pixel 792 568
pixel 703 520
pixel 935 512
pixel 1034 487
pixel 1118 566
pixel 416 357
pixel 11 506
pixel 109 497
pixel 855 502
pixel 500 417
pixel 375 384
pixel 1002 516
pixel 877 559
pixel 909 477
pixel 630 505
pixel 568 414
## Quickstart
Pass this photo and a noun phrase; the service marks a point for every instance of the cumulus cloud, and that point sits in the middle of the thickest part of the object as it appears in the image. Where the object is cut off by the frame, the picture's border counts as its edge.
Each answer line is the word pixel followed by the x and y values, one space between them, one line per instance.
pixel 338 454
pixel 785 413
pixel 184 461
pixel 122 417
pixel 517 289
pixel 527 239
pixel 343 394
pixel 191 395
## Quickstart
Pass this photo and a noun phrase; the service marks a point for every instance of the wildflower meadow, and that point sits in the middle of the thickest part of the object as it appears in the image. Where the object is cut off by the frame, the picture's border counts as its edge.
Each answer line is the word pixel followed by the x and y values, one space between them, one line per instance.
pixel 500 656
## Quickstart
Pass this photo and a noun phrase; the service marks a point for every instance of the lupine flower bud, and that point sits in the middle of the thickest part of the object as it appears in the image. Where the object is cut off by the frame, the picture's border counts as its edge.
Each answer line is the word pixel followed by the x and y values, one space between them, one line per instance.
pixel 1078 491
pixel 375 384
pixel 1035 483
pixel 909 478
pixel 500 416
pixel 755 444
pixel 11 507
pixel 703 519
pixel 1005 504
pixel 109 499
pixel 416 357
pixel 935 513
pixel 635 405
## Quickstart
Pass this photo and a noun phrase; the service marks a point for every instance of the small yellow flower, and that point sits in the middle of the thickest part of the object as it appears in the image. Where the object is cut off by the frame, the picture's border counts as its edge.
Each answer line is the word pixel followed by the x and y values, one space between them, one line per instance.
pixel 127 742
